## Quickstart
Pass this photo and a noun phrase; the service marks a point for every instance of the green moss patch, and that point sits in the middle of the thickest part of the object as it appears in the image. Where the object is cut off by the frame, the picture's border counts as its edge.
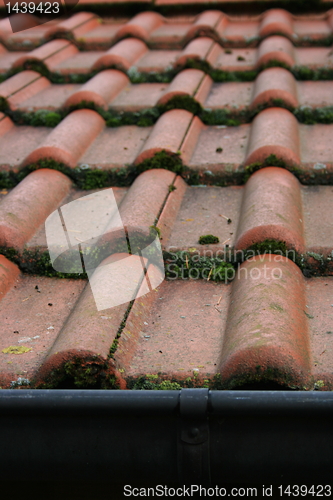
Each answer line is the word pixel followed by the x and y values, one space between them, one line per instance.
pixel 208 239
pixel 158 382
pixel 80 373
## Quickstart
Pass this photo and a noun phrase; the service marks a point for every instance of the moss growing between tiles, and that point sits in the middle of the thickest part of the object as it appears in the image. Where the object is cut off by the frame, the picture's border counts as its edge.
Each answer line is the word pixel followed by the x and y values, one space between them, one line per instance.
pixel 267 246
pixel 37 262
pixel 162 159
pixel 182 102
pixel 148 117
pixel 114 345
pixel 271 161
pixel 86 373
pixel 305 73
pixel 208 239
pixel 311 116
pixel 318 177
pixel 260 378
pixel 8 180
pixel 157 382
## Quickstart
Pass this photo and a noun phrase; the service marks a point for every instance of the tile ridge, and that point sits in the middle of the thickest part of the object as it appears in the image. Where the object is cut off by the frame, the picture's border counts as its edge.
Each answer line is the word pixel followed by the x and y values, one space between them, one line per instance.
pixel 8 274
pixel 122 55
pixel 274 132
pixel 275 48
pixel 274 84
pixel 27 206
pixel 68 141
pixel 186 83
pixel 267 333
pixel 100 89
pixel 141 26
pixel 167 135
pixel 276 21
pixel 271 210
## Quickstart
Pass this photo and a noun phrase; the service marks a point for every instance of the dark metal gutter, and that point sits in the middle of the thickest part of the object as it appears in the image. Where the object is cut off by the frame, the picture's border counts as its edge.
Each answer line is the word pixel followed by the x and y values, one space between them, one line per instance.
pixel 192 436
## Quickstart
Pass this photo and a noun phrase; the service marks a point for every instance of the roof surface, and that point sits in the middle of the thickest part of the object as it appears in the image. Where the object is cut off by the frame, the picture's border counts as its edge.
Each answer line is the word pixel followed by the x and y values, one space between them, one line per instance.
pixel 215 129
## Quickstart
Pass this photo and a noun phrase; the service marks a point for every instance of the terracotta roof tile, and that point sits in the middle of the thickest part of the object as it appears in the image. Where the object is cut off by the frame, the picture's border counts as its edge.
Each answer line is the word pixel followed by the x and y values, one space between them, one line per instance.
pixel 111 89
pixel 131 55
pixel 93 32
pixel 235 176
pixel 69 140
pixel 28 205
pixel 274 133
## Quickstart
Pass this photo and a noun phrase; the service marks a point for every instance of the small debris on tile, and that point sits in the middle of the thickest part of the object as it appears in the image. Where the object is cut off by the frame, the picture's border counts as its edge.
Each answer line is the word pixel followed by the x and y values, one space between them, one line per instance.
pixel 229 221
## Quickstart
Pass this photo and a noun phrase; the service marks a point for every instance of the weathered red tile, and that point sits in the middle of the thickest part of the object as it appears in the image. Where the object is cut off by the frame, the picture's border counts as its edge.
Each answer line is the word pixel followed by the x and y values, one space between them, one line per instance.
pixel 145 200
pixel 314 94
pixel 23 140
pixel 170 210
pixel 190 141
pixel 318 205
pixel 99 38
pixel 17 82
pixel 229 95
pixel 187 82
pixel 169 36
pixel 155 61
pixel 275 84
pixel 115 148
pixel 276 48
pixel 86 337
pixel 319 310
pixel 139 96
pixel 38 240
pixel 76 25
pixel 317 148
pixel 70 139
pixel 206 24
pixel 274 131
pixel 207 157
pixel 28 204
pixel 141 26
pixel 267 334
pixel 271 210
pixel 178 345
pixel 206 210
pixel 22 87
pixel 100 90
pixel 168 134
pixel 197 50
pixel 8 274
pixel 122 55
pixel 310 30
pixel 27 320
pixel 51 97
pixel 276 21
pixel 52 54
pixel 237 33
pixel 314 57
pixel 272 205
